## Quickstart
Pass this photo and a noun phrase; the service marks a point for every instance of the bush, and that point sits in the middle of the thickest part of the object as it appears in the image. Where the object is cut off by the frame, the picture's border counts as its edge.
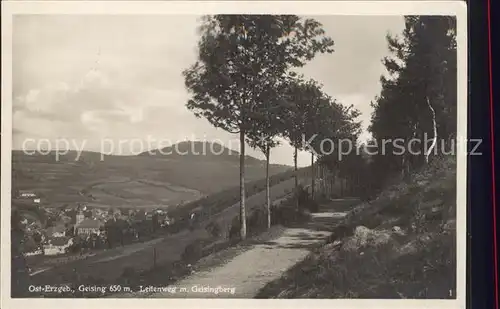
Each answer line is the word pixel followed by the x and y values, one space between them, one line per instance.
pixel 193 252
pixel 366 195
pixel 341 231
pixel 313 205
pixel 257 221
pixel 95 280
pixel 234 229
pixel 287 215
pixel 305 201
pixel 302 195
pixel 275 215
pixel 214 229
pixel 128 272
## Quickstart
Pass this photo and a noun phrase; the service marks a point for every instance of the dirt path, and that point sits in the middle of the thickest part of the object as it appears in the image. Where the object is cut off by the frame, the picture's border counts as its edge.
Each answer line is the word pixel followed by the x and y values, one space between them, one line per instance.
pixel 247 273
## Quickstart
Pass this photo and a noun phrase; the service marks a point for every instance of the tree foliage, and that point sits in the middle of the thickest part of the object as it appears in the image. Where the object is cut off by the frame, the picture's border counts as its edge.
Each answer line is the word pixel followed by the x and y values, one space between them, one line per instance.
pixel 243 63
pixel 242 56
pixel 422 80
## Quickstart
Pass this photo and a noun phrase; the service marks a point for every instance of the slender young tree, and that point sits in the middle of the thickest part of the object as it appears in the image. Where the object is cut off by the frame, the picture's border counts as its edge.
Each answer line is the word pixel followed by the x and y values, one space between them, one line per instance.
pixel 303 95
pixel 237 56
pixel 337 124
pixel 315 117
pixel 265 143
pixel 325 118
pixel 266 127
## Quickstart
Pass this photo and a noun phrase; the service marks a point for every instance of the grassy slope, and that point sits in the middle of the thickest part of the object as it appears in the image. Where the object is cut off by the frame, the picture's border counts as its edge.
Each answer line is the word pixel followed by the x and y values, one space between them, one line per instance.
pixel 130 181
pixel 418 264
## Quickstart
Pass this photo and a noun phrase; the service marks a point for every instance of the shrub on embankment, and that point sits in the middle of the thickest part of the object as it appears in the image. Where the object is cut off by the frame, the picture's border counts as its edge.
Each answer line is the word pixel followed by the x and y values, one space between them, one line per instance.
pixel 283 213
pixel 219 201
pixel 400 245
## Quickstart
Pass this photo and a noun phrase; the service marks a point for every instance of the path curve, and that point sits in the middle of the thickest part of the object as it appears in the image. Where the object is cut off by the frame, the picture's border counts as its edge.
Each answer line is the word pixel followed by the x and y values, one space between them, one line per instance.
pixel 247 273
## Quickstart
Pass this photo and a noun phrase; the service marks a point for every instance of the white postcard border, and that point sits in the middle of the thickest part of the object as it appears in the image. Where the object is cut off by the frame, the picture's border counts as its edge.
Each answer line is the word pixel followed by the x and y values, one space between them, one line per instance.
pixel 10 8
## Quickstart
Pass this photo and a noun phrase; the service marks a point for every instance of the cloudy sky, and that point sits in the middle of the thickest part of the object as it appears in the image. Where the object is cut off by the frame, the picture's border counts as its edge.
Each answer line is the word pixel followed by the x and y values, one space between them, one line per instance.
pixel 95 79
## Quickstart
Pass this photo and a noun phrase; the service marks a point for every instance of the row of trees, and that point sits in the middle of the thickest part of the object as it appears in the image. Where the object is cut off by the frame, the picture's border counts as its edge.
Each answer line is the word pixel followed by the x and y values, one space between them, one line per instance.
pixel 245 82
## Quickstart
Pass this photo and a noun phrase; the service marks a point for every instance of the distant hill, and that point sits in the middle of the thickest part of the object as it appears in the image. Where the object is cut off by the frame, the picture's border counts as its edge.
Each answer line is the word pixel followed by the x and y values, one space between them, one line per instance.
pixel 189 150
pixel 146 180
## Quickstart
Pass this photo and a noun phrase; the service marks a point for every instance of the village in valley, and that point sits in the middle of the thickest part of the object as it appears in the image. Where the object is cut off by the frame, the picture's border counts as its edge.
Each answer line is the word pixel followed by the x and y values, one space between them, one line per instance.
pixel 73 229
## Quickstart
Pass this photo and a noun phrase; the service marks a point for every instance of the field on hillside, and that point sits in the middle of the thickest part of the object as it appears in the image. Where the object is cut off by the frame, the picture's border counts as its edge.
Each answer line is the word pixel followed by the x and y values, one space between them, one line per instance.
pixel 128 181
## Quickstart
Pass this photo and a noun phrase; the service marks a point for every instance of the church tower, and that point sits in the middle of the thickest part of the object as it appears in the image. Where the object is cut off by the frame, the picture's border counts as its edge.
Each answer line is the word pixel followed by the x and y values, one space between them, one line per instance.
pixel 79 217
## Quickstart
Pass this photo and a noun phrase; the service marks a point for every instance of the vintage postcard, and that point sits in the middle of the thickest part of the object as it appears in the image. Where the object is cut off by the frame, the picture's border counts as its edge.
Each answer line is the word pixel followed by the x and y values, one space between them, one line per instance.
pixel 221 154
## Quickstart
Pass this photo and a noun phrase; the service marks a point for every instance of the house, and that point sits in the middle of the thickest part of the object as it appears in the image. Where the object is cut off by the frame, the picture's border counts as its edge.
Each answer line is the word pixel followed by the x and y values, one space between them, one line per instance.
pixel 59 241
pixel 56 231
pixel 166 220
pixel 66 219
pixel 88 226
pixel 57 245
pixel 27 194
pixel 79 217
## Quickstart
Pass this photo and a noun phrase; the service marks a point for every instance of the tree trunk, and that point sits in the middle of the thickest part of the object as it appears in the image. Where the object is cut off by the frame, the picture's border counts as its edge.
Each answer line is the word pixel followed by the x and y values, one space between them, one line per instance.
pixel 434 127
pixel 243 223
pixel 295 167
pixel 154 257
pixel 320 180
pixel 296 197
pixel 323 180
pixel 330 185
pixel 347 186
pixel 313 176
pixel 351 186
pixel 403 167
pixel 358 185
pixel 268 195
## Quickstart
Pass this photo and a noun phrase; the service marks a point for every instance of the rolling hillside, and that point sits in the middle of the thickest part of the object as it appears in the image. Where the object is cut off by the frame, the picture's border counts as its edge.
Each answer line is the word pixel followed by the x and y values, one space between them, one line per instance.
pixel 146 180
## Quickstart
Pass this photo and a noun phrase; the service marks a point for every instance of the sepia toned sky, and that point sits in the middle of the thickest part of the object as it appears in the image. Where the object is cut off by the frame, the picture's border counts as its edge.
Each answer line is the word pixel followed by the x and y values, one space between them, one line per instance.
pixel 116 80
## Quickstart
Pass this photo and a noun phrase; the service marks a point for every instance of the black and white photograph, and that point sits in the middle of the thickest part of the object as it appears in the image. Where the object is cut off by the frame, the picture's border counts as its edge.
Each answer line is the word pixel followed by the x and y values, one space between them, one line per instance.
pixel 234 150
